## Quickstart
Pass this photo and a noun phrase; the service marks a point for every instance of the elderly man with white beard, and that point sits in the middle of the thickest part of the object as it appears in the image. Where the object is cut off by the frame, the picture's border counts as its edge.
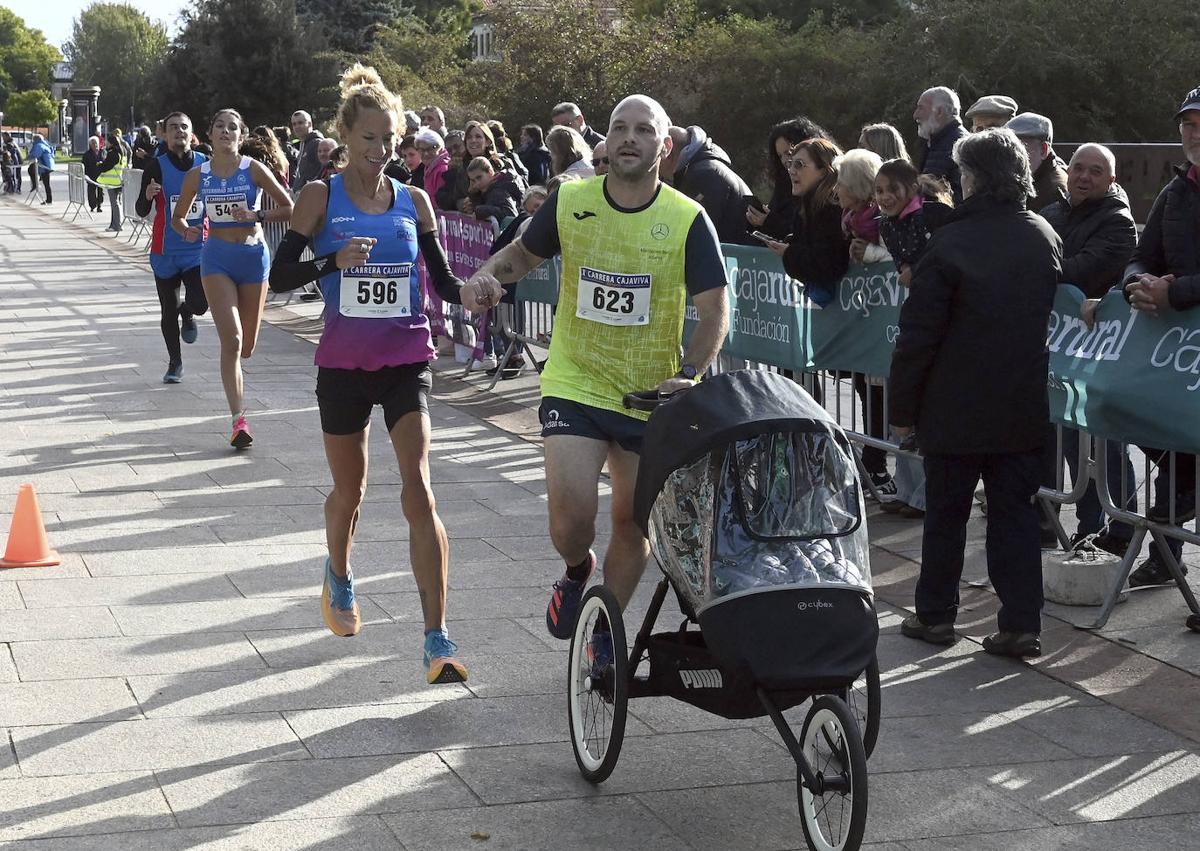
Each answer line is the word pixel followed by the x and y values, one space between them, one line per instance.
pixel 939 127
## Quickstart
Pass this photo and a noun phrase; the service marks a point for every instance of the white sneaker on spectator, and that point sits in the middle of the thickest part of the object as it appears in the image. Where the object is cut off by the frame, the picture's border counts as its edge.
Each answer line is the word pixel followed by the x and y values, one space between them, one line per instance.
pixel 487 362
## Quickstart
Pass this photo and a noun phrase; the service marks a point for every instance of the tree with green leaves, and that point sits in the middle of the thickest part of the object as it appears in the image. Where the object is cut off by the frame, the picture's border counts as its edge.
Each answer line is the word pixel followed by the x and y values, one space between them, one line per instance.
pixel 257 56
pixel 116 47
pixel 351 25
pixel 26 59
pixel 31 109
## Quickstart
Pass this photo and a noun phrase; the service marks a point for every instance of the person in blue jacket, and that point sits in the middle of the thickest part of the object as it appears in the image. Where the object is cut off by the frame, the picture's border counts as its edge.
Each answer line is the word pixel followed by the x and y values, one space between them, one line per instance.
pixel 41 153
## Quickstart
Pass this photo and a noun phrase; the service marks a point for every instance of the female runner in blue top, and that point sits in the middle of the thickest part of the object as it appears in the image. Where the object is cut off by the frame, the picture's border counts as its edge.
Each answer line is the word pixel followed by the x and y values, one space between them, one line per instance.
pixel 366 229
pixel 234 262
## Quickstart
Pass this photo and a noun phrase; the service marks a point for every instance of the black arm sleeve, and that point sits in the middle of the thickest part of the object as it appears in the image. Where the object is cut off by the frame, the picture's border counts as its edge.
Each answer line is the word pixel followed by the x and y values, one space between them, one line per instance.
pixel 152 171
pixel 289 272
pixel 444 281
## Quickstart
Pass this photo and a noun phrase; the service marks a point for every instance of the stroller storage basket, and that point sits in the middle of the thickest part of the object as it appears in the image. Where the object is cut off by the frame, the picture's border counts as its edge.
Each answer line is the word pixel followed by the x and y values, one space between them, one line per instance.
pixel 681 666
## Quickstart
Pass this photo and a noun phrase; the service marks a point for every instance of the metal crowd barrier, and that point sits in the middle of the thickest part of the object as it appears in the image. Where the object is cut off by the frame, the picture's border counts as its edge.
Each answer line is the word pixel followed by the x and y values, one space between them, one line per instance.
pixel 131 187
pixel 76 191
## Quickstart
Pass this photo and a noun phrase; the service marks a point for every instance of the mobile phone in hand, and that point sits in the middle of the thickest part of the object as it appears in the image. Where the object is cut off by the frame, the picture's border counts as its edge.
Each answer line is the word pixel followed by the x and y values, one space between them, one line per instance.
pixel 765 237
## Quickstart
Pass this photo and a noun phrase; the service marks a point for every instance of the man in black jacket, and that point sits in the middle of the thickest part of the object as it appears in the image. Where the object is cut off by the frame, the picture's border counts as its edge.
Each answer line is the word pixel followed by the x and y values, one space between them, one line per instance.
pixel 969 374
pixel 1094 222
pixel 939 127
pixel 92 158
pixel 1098 236
pixel 701 170
pixel 1163 276
pixel 309 166
pixel 568 114
pixel 1036 133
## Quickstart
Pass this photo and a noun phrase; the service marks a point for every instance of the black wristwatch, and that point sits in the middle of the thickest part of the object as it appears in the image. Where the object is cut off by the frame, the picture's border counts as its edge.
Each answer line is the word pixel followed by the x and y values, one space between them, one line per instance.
pixel 687 371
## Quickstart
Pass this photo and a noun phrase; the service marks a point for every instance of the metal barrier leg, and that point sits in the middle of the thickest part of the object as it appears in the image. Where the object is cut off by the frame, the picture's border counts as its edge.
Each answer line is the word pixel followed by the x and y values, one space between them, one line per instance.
pixel 1114 593
pixel 1176 569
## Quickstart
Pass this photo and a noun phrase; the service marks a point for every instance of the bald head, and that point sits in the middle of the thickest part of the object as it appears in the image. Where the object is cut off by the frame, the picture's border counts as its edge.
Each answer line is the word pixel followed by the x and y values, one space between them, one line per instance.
pixel 1092 171
pixel 644 106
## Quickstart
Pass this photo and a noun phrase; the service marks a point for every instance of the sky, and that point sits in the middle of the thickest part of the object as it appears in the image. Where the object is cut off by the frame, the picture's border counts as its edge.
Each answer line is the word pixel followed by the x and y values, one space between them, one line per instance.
pixel 55 17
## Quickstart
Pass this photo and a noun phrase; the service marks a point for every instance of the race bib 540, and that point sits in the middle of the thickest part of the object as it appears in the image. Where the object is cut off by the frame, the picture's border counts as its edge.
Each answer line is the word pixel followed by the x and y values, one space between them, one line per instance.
pixel 377 291
pixel 613 298
pixel 222 207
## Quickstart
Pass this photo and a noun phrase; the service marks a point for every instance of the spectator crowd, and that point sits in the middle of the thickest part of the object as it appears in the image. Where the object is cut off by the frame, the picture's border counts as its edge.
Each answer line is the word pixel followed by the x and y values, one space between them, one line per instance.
pixel 982 221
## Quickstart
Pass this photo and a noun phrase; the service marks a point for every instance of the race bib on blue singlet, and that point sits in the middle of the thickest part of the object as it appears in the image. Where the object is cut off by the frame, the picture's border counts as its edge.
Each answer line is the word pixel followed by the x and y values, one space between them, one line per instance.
pixel 221 207
pixel 194 213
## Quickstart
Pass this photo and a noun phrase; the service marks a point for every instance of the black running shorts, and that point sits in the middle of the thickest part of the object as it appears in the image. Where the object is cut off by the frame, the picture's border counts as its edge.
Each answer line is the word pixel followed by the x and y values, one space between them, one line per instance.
pixel 345 397
pixel 564 417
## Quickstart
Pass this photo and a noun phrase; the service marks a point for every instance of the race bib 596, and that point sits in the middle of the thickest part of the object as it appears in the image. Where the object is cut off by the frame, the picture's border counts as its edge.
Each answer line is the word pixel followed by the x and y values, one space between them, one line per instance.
pixel 377 291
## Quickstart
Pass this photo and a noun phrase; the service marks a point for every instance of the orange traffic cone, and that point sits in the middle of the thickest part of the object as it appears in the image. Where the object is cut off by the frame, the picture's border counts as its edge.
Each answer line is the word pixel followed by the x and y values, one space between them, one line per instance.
pixel 27 544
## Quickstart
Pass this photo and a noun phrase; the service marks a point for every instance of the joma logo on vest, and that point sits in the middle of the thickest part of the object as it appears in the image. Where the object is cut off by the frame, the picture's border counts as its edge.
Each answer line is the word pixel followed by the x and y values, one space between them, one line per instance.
pixel 1103 342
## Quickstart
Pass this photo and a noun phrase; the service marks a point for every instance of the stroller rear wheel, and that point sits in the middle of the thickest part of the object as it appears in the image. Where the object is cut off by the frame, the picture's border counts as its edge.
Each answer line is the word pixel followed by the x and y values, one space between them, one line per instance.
pixel 863 698
pixel 598 685
pixel 834 813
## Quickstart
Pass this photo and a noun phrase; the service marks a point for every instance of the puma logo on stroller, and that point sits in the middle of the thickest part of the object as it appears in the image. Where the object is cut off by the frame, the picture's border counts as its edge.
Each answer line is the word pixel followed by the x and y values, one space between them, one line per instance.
pixel 701 679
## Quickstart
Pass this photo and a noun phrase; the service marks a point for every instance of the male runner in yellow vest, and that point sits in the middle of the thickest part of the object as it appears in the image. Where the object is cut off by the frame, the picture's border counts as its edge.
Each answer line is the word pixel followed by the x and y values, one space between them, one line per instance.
pixel 632 250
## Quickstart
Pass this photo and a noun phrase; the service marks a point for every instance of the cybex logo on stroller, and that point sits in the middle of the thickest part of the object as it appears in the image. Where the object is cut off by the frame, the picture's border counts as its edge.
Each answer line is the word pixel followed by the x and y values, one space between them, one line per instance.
pixel 805 605
pixel 701 679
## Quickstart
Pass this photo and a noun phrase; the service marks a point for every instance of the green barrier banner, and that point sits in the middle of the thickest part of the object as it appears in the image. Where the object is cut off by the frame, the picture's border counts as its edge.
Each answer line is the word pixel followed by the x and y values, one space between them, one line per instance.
pixel 541 285
pixel 1132 376
pixel 767 322
pixel 857 331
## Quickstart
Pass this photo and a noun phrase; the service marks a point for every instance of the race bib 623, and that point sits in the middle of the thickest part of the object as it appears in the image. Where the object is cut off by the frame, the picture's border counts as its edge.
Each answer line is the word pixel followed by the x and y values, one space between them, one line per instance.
pixel 613 298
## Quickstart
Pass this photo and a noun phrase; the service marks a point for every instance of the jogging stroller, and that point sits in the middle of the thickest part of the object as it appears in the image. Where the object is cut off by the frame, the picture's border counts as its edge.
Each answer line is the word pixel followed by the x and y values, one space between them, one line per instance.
pixel 749 494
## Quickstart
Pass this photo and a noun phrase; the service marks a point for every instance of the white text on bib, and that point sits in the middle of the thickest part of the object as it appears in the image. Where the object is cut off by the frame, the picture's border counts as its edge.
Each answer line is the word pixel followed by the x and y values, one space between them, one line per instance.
pixel 612 298
pixel 377 291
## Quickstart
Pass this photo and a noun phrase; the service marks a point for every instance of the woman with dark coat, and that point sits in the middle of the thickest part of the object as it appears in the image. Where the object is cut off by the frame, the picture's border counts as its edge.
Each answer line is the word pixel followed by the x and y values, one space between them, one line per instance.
pixel 776 218
pixel 969 375
pixel 818 253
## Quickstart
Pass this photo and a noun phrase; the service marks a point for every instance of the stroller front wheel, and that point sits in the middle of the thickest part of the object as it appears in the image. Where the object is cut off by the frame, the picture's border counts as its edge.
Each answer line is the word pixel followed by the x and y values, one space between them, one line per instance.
pixel 834 813
pixel 598 685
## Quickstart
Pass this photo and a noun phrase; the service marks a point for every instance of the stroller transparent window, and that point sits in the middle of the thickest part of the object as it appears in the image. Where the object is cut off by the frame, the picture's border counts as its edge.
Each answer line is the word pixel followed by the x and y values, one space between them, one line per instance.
pixel 774 511
pixel 794 485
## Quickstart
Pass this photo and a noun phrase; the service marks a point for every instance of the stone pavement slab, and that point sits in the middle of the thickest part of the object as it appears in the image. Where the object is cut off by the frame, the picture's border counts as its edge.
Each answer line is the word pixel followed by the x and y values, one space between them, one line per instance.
pixel 174 681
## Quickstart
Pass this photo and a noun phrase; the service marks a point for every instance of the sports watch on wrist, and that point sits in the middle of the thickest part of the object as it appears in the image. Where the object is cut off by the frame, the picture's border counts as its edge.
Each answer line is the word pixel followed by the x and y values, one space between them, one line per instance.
pixel 687 371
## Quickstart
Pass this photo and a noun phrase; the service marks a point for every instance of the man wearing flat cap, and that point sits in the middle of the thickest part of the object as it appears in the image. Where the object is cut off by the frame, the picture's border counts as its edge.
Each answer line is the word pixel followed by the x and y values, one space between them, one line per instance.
pixel 991 111
pixel 1036 133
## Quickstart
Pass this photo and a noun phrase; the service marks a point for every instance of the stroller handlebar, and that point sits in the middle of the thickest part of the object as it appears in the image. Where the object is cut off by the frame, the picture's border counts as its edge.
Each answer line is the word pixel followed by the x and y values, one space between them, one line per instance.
pixel 645 400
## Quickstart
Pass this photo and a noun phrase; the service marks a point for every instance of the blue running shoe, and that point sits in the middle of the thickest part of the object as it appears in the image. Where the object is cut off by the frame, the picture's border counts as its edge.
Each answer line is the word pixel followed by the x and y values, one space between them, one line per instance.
pixel 600 650
pixel 441 666
pixel 189 332
pixel 338 606
pixel 564 602
pixel 174 373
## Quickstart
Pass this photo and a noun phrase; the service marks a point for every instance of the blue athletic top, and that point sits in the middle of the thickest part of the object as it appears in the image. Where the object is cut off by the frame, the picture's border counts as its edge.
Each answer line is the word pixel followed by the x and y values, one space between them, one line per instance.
pixel 165 240
pixel 375 313
pixel 221 196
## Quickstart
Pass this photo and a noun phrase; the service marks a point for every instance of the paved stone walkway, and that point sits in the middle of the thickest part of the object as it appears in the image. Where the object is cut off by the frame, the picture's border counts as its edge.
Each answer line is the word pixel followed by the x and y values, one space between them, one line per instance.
pixel 170 685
